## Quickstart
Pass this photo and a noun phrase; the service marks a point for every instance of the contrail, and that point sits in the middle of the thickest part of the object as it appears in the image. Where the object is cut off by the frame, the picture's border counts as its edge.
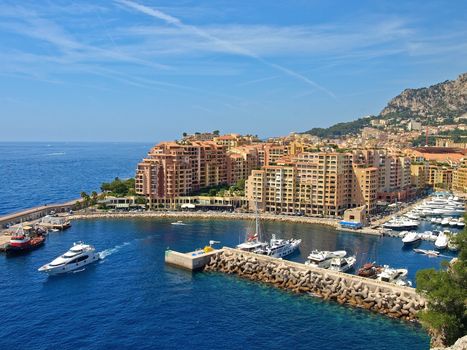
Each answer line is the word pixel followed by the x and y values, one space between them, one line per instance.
pixel 233 48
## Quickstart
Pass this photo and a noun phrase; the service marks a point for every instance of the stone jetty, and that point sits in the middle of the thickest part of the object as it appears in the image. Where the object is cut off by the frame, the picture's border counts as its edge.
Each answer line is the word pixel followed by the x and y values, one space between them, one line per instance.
pixel 381 297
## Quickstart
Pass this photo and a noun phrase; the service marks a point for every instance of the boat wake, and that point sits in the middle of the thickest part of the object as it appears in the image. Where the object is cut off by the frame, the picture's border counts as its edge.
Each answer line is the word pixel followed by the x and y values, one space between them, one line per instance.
pixel 56 154
pixel 105 253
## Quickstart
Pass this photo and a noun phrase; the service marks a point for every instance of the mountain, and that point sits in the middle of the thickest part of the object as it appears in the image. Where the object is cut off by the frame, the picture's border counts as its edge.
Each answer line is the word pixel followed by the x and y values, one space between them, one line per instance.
pixel 444 100
pixel 437 104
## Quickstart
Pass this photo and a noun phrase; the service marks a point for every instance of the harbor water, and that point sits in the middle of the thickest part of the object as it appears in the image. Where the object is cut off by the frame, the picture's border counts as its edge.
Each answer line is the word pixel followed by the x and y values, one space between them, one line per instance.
pixel 132 300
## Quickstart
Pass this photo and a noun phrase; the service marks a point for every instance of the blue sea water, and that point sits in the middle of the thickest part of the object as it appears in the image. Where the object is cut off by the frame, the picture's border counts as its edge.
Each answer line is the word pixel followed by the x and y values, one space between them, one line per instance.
pixel 36 173
pixel 132 300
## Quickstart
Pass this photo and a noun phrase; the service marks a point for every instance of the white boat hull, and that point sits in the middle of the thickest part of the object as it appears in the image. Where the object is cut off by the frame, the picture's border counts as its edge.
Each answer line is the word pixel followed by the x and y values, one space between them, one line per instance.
pixel 56 270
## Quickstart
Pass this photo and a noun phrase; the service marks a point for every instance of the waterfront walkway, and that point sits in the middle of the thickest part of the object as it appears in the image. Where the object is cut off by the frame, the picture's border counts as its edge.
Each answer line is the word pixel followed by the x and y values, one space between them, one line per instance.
pixel 206 215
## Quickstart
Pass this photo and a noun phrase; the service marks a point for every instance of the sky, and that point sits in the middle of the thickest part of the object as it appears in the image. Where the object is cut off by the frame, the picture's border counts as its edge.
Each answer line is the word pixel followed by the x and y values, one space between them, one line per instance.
pixel 150 70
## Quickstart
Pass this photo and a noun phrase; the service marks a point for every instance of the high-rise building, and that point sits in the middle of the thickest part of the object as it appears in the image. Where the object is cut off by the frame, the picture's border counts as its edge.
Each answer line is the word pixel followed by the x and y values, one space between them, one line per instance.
pixel 172 169
pixel 310 183
pixel 459 178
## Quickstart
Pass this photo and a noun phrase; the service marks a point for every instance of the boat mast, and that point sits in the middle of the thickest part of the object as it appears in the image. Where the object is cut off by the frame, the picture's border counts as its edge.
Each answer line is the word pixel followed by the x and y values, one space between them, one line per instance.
pixel 257 228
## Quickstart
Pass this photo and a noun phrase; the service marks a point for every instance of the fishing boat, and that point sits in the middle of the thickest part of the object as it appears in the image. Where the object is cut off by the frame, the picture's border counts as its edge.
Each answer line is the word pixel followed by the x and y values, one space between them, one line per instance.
pixel 395 276
pixel 25 239
pixel 76 257
pixel 411 238
pixel 322 258
pixel 342 264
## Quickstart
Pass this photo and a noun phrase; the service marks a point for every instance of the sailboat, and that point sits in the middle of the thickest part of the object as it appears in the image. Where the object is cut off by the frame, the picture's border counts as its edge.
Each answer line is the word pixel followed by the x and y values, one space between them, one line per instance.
pixel 276 248
pixel 253 240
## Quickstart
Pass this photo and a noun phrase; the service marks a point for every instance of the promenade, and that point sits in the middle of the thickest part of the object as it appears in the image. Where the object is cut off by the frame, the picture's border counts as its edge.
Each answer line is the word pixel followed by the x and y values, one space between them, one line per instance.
pixel 204 215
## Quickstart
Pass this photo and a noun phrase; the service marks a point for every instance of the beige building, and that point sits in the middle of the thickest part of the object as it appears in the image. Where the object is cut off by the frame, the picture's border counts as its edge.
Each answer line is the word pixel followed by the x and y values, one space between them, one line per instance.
pixel 172 169
pixel 310 183
pixel 419 175
pixel 459 178
pixel 440 176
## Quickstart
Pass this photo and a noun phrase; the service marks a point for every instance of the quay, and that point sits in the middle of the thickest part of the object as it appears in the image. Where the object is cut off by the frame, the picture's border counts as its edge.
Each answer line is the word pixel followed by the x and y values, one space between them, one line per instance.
pixel 377 296
pixel 36 213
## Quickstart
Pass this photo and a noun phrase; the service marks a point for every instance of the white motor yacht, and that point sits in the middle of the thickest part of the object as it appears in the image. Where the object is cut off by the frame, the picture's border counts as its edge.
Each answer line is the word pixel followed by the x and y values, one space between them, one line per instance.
pixel 411 238
pixel 445 222
pixel 395 276
pixel 279 248
pixel 78 256
pixel 323 258
pixel 442 241
pixel 401 224
pixel 342 264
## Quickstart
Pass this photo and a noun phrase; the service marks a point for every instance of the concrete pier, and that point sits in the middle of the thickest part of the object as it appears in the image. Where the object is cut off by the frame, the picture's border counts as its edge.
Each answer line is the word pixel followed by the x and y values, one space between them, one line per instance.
pixel 193 261
pixel 36 213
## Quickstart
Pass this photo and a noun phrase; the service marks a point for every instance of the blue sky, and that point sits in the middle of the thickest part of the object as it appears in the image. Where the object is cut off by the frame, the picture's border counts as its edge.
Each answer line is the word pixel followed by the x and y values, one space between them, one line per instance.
pixel 149 70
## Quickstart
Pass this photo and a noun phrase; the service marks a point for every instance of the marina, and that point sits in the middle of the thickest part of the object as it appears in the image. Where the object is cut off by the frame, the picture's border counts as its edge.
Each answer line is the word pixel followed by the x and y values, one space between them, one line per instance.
pixel 133 253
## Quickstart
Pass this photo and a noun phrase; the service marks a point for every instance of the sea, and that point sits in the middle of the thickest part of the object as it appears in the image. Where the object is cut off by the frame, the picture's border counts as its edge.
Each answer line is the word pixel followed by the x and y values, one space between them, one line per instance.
pixel 132 300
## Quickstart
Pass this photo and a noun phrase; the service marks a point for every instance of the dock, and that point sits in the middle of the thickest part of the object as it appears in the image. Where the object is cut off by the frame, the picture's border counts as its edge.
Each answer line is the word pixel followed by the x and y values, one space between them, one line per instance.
pixel 194 261
pixel 376 296
pixel 36 213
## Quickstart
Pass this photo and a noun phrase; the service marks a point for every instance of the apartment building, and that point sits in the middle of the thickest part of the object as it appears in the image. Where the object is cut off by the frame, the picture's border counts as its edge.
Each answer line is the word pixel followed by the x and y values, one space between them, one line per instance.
pixel 176 169
pixel 241 161
pixel 393 173
pixel 310 183
pixel 459 178
pixel 419 175
pixel 440 176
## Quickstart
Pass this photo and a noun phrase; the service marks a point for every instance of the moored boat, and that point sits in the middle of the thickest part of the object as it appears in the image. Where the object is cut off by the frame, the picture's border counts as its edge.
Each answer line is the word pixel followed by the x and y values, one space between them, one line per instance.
pixel 442 241
pixel 323 258
pixel 342 264
pixel 369 270
pixel 25 239
pixel 395 276
pixel 411 238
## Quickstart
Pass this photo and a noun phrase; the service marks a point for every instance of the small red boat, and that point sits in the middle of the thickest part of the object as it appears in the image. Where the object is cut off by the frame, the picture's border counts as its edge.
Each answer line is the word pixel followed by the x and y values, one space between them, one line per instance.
pixel 369 270
pixel 23 242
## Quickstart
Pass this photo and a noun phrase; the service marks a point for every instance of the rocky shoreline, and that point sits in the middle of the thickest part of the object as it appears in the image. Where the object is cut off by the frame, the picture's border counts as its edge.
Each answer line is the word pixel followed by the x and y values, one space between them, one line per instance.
pixel 381 297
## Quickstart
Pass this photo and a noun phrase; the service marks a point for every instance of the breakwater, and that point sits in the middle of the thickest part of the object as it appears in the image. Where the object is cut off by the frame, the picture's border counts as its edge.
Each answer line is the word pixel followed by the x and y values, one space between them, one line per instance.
pixel 381 297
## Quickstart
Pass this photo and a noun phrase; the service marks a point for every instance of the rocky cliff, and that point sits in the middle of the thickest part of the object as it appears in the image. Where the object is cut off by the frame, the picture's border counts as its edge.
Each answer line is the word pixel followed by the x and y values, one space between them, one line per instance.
pixel 444 100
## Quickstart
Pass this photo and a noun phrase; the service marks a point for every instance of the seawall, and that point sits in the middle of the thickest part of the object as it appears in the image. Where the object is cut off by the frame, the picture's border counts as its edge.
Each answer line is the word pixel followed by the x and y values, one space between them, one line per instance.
pixel 206 216
pixel 380 297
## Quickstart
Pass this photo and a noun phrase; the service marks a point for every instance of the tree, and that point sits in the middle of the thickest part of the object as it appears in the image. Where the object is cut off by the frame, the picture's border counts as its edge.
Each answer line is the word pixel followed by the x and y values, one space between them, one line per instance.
pixel 185 134
pixel 446 293
pixel 94 197
pixel 216 132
